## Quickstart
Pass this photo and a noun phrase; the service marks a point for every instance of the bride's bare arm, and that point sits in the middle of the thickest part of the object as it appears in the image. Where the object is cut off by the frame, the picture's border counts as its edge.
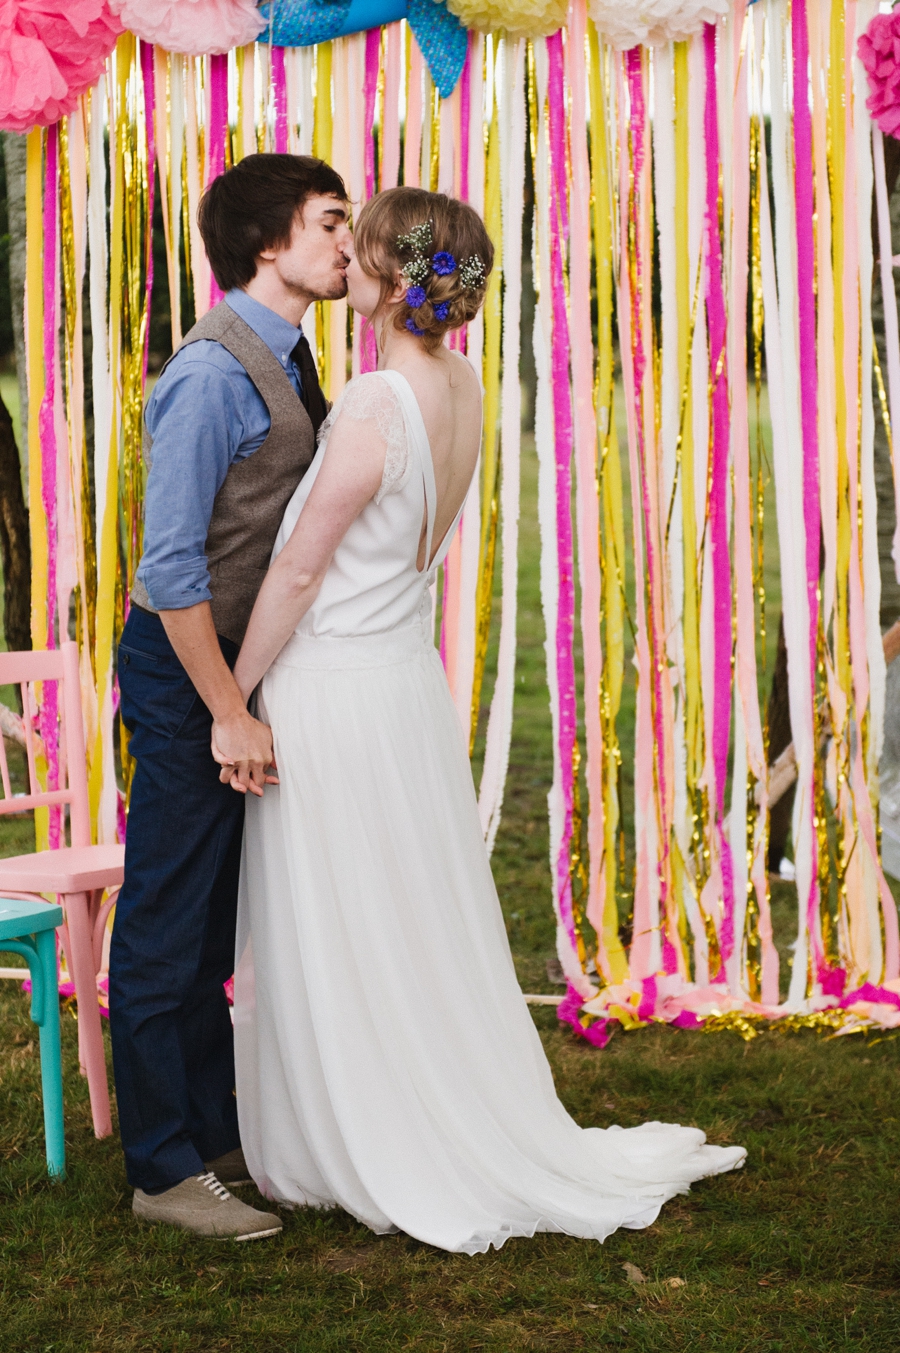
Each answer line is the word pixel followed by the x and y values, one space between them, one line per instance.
pixel 349 477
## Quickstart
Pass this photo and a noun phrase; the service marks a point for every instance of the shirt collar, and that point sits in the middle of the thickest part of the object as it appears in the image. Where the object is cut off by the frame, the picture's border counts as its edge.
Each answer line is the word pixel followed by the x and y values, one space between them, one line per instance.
pixel 277 334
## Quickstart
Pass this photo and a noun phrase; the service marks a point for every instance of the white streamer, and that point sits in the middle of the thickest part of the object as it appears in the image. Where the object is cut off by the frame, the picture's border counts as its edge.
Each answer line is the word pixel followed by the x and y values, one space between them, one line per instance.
pixel 512 185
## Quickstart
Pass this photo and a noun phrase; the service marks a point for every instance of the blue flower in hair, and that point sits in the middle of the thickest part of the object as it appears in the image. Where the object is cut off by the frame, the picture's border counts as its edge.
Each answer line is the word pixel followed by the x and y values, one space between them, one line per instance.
pixel 442 310
pixel 415 296
pixel 443 263
pixel 413 328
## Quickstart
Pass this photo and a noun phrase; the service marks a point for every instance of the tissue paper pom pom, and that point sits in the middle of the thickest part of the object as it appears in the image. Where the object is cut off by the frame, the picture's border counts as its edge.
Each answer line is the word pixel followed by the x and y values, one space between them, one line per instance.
pixel 192 27
pixel 50 52
pixel 652 23
pixel 520 18
pixel 879 51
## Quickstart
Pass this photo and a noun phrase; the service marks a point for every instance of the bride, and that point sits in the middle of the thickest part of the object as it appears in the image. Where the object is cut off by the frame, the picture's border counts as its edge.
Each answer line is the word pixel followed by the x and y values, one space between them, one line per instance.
pixel 386 1060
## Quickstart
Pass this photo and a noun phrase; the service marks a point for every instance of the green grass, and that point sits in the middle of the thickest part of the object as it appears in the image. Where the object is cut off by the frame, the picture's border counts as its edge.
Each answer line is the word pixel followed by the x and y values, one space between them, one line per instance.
pixel 797 1252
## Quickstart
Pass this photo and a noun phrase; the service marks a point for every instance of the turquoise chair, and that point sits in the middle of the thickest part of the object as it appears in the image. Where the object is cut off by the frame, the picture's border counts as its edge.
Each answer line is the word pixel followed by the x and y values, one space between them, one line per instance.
pixel 29 929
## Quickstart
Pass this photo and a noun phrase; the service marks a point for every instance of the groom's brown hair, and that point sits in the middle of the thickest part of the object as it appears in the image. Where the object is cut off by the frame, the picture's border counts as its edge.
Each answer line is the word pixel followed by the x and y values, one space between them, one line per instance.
pixel 253 207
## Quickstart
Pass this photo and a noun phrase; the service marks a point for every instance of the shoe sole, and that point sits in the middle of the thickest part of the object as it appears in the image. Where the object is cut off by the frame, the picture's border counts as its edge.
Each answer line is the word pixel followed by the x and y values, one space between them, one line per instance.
pixel 258 1235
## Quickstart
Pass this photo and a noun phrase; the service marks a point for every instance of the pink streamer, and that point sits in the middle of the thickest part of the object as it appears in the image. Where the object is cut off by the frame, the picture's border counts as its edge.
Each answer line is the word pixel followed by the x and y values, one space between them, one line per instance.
pixel 465 113
pixel 49 712
pixel 390 112
pixel 718 497
pixel 806 310
pixel 562 409
pixel 279 89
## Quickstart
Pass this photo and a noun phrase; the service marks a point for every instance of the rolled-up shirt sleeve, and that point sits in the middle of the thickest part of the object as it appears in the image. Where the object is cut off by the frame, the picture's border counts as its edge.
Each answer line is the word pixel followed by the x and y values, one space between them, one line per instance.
pixel 194 417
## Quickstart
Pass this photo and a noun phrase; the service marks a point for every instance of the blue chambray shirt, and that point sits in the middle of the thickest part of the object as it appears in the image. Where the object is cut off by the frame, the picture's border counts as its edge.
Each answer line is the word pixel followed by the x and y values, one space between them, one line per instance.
pixel 204 414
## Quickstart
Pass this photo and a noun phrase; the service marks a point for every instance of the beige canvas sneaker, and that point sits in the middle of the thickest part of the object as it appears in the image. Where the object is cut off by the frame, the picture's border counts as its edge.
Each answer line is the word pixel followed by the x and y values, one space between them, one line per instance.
pixel 204 1206
pixel 230 1169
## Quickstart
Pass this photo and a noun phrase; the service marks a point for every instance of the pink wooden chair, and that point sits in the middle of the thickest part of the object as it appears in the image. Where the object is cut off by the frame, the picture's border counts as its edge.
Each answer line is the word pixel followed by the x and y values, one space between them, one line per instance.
pixel 78 874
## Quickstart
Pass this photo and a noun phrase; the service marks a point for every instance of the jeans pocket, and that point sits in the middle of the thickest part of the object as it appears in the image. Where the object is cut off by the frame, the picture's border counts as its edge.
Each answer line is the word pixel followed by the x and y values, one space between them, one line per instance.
pixel 157 696
pixel 127 652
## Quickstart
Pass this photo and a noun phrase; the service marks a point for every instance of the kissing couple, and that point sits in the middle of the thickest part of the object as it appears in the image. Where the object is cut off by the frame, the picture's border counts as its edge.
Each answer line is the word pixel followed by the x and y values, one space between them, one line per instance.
pixel 302 809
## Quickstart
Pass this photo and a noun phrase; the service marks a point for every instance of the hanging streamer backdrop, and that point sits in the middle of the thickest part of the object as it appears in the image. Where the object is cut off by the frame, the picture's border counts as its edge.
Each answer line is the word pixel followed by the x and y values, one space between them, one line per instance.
pixel 667 277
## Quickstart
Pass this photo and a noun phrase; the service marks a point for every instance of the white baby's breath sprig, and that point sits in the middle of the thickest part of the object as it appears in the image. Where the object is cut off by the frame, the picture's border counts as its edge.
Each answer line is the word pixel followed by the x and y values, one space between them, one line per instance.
pixel 417 242
pixel 416 271
pixel 471 273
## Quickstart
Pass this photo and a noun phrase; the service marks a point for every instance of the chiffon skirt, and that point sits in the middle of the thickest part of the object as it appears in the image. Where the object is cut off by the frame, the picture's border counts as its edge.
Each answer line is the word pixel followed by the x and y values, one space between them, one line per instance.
pixel 386 1059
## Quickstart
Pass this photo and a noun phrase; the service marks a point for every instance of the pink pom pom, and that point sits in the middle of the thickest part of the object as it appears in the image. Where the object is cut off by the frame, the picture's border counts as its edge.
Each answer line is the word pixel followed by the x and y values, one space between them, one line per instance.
pixel 51 51
pixel 192 27
pixel 879 51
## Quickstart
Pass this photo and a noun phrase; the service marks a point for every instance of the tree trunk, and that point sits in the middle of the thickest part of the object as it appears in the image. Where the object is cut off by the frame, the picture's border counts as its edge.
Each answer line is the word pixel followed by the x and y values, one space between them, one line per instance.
pixel 15 544
pixel 14 153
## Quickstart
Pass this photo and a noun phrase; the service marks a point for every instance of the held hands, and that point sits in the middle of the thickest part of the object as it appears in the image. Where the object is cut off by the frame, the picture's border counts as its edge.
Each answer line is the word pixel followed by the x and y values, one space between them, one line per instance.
pixel 242 746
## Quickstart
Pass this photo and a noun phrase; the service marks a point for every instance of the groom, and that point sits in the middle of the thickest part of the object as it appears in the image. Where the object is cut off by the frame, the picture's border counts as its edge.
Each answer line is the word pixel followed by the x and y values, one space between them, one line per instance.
pixel 230 431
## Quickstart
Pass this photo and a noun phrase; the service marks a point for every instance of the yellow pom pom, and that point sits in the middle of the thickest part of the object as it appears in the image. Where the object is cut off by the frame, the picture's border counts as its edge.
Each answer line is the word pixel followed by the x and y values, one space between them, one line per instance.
pixel 520 18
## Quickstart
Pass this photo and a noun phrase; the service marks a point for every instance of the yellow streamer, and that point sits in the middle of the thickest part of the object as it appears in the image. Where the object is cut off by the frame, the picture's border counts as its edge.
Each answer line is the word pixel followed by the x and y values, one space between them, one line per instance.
pixel 490 458
pixel 612 531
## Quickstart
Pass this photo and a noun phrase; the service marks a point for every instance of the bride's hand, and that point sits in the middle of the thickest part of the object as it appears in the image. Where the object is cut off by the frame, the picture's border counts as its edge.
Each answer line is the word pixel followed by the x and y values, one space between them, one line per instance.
pixel 242 746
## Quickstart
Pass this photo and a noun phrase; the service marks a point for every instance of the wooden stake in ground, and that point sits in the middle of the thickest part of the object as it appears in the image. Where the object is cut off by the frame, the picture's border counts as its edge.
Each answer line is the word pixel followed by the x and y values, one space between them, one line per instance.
pixel 783 771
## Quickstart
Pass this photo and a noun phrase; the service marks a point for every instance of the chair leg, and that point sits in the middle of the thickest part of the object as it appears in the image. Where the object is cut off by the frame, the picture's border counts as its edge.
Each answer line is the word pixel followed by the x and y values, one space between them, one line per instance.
pixel 66 947
pixel 51 1061
pixel 91 1036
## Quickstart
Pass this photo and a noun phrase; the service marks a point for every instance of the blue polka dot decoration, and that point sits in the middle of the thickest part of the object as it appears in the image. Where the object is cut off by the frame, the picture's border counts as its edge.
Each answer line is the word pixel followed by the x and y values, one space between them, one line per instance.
pixel 300 23
pixel 443 42
pixel 441 37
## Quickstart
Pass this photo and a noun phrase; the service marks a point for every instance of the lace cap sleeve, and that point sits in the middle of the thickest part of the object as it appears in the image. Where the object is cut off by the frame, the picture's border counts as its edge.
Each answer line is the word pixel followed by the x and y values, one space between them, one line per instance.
pixel 369 398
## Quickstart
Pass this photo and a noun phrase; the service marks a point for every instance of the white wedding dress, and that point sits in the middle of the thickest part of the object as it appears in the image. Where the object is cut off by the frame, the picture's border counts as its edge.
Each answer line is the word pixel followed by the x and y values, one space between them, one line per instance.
pixel 386 1060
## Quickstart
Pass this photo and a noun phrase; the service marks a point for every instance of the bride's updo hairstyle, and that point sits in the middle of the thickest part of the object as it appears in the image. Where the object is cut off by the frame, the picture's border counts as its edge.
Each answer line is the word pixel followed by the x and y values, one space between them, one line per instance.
pixel 440 247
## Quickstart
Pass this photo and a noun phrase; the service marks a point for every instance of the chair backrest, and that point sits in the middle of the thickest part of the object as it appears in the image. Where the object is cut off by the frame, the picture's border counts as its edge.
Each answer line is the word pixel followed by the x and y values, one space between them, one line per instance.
pixel 59 666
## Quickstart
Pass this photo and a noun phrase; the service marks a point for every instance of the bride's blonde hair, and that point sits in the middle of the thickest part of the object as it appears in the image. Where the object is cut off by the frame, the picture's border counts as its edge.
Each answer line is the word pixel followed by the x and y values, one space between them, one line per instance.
pixel 383 236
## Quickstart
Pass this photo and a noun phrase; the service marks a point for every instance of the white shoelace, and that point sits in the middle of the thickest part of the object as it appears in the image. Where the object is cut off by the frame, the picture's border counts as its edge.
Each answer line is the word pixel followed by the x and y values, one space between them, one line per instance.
pixel 210 1182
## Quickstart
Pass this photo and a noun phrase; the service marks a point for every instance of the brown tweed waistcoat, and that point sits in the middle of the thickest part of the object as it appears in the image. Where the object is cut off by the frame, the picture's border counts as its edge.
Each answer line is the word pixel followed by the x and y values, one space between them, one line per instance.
pixel 250 504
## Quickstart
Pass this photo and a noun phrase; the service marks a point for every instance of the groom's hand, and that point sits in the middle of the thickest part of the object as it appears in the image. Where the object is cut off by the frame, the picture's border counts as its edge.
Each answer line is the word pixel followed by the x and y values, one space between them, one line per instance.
pixel 242 746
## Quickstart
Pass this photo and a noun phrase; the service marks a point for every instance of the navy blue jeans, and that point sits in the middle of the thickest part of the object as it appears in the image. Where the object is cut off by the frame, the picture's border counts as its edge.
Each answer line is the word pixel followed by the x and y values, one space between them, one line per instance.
pixel 173 938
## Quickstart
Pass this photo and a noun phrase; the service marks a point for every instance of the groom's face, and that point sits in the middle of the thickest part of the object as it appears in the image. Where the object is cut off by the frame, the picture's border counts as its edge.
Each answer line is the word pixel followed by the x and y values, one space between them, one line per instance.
pixel 315 262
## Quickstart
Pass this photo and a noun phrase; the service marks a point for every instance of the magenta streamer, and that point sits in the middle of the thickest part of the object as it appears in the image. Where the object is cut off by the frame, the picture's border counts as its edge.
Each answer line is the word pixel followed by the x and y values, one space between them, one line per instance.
pixel 370 89
pixel 806 313
pixel 148 74
pixel 368 356
pixel 635 72
pixel 279 89
pixel 49 712
pixel 718 495
pixel 563 430
pixel 458 337
pixel 647 1006
pixel 598 1032
pixel 218 130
